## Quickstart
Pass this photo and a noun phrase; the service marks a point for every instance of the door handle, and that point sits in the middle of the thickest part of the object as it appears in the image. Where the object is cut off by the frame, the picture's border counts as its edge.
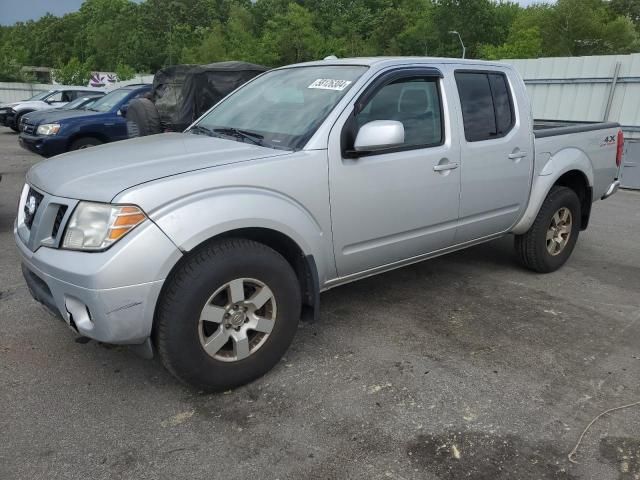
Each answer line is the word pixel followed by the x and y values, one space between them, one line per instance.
pixel 446 166
pixel 515 156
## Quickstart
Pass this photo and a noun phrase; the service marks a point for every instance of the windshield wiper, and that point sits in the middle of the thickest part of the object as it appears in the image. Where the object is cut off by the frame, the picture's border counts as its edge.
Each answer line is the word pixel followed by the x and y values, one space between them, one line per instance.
pixel 256 138
pixel 199 129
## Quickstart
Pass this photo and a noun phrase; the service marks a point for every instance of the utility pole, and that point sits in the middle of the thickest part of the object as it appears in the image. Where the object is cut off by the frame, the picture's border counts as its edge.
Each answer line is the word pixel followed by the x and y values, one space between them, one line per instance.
pixel 464 50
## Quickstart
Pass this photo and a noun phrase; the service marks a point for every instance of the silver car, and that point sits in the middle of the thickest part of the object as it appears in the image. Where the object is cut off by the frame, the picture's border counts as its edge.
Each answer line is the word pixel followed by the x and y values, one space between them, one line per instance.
pixel 208 246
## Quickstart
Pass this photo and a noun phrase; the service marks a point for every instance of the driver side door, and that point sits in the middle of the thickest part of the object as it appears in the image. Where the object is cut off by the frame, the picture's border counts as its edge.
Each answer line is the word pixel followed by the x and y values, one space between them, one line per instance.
pixel 392 205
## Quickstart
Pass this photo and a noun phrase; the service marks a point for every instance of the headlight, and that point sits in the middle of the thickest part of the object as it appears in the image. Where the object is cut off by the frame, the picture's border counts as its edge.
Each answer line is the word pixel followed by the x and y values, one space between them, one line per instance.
pixel 97 226
pixel 48 129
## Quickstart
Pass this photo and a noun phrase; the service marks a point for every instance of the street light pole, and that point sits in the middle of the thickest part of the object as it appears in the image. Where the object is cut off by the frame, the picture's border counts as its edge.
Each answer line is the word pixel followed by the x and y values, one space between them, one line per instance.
pixel 464 50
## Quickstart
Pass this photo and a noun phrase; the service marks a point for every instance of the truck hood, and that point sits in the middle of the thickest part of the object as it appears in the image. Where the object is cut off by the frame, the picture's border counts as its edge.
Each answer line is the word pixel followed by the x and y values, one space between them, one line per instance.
pixel 100 173
pixel 33 105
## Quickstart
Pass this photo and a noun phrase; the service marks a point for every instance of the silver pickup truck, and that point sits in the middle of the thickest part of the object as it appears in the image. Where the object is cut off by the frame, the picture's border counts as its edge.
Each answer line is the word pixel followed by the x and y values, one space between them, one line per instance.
pixel 208 246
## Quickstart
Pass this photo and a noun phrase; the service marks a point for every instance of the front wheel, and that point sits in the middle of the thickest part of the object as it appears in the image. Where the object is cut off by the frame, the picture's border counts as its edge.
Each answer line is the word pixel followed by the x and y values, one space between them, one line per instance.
pixel 554 233
pixel 227 315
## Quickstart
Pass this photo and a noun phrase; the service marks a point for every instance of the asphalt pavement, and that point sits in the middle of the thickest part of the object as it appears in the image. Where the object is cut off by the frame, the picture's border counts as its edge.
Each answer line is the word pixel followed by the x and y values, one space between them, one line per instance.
pixel 462 367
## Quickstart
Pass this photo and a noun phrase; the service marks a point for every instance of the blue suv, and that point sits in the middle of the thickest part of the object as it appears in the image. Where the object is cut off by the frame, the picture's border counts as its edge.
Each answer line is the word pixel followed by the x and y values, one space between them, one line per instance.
pixel 63 131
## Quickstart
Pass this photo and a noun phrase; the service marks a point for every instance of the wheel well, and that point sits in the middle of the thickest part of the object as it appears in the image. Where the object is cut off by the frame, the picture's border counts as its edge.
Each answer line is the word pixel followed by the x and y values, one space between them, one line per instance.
pixel 303 265
pixel 577 181
pixel 78 136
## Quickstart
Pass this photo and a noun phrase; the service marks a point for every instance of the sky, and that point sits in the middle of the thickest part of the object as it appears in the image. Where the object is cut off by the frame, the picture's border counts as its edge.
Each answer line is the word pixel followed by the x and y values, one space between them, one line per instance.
pixel 12 11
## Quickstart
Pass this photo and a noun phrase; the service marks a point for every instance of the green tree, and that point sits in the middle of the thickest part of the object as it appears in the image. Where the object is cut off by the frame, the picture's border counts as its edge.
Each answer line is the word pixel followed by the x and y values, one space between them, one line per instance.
pixel 124 72
pixel 476 20
pixel 586 27
pixel 291 37
pixel 74 72
pixel 211 47
pixel 627 8
pixel 525 43
pixel 149 34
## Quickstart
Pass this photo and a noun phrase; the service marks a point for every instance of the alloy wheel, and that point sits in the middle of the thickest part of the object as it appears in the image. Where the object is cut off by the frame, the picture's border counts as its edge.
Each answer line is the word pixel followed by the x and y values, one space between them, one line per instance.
pixel 237 319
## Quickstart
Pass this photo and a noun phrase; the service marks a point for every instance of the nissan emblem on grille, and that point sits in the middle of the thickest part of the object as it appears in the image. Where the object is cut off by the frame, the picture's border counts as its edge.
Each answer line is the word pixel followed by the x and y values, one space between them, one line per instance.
pixel 31 205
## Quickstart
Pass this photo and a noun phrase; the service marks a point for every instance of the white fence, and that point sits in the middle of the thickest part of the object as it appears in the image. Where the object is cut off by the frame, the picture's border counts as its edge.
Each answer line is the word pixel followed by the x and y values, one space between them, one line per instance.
pixel 596 88
pixel 14 92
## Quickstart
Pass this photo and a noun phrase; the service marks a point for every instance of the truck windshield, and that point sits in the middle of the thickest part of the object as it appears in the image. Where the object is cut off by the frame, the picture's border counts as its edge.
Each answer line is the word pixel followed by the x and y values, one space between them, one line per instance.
pixel 282 108
pixel 40 95
pixel 109 101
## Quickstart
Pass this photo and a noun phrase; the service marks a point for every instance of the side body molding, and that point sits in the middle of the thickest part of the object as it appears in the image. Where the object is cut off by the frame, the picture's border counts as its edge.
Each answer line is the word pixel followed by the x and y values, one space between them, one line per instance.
pixel 548 169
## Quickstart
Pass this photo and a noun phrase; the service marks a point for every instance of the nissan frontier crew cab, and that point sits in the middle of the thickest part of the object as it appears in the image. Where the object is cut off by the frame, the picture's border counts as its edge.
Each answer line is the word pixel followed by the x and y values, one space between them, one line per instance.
pixel 208 246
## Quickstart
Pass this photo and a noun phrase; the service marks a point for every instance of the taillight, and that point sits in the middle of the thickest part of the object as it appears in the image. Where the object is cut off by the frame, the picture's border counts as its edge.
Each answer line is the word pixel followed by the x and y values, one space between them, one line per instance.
pixel 620 148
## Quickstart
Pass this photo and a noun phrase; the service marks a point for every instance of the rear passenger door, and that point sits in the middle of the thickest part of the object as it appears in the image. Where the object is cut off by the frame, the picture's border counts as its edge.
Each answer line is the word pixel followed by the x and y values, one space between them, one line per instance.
pixel 496 153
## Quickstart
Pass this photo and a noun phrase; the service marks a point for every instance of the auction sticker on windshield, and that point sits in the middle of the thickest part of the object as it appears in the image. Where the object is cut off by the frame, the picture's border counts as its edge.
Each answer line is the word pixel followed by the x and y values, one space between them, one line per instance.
pixel 330 84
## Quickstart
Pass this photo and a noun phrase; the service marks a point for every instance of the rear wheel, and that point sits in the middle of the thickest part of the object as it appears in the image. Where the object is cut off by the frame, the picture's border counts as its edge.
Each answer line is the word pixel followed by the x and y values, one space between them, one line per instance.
pixel 85 142
pixel 550 240
pixel 227 315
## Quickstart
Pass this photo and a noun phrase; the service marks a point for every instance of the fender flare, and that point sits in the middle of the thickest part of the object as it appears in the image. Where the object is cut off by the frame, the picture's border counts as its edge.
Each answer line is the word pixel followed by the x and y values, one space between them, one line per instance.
pixel 196 218
pixel 566 160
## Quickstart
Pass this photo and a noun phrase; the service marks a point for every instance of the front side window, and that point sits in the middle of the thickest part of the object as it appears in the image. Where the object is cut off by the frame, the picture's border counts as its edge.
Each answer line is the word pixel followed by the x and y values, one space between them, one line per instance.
pixel 54 97
pixel 487 109
pixel 414 102
pixel 282 108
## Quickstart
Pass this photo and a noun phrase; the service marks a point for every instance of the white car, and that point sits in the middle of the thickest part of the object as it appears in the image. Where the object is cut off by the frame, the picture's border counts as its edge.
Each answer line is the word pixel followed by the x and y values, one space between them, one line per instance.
pixel 10 113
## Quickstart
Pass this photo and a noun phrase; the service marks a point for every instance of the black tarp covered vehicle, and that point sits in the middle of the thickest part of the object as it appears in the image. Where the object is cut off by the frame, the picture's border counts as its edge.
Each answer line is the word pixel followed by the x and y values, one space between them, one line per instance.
pixel 181 93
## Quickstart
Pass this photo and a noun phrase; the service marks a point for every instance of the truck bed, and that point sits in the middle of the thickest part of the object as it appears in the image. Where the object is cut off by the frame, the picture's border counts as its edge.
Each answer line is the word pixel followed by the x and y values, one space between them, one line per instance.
pixel 595 140
pixel 551 128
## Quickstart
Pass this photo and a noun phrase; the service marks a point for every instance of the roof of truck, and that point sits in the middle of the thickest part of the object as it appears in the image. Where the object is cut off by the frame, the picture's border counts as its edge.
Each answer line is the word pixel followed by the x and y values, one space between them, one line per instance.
pixel 76 87
pixel 391 61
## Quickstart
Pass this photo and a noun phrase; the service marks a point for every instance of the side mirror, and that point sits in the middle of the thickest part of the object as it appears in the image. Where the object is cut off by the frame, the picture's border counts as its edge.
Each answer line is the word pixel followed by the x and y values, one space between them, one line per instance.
pixel 123 110
pixel 379 135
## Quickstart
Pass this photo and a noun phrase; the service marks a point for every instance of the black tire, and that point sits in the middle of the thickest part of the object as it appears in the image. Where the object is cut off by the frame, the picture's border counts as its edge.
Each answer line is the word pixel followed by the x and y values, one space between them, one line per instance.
pixel 85 142
pixel 177 333
pixel 531 247
pixel 142 118
pixel 16 127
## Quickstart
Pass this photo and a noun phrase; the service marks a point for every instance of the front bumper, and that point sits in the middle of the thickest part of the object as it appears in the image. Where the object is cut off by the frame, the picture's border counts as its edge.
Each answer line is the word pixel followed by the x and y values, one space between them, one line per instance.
pixel 613 188
pixel 108 296
pixel 47 146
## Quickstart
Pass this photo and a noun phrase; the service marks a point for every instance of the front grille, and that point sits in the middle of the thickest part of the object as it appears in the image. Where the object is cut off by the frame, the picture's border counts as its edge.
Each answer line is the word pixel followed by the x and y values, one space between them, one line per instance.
pixel 27 127
pixel 31 207
pixel 56 223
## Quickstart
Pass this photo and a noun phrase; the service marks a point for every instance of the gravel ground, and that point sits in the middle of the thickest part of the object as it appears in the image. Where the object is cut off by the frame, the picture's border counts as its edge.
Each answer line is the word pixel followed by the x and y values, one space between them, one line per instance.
pixel 466 366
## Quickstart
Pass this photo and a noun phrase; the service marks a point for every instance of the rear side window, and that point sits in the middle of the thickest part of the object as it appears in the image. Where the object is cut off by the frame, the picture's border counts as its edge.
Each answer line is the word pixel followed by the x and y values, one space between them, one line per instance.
pixel 487 108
